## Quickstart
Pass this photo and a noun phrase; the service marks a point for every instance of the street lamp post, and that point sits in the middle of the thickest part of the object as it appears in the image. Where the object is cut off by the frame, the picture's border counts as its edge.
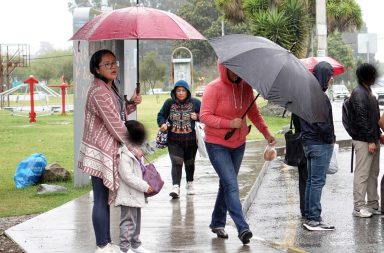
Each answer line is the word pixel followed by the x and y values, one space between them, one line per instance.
pixel 321 27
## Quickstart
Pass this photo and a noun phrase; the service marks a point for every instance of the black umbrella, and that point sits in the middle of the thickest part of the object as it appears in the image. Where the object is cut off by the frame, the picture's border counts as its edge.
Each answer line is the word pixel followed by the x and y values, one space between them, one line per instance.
pixel 274 72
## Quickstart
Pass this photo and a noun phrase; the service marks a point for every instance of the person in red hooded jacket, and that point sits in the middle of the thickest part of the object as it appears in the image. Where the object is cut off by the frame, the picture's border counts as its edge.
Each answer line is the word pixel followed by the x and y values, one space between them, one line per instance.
pixel 224 102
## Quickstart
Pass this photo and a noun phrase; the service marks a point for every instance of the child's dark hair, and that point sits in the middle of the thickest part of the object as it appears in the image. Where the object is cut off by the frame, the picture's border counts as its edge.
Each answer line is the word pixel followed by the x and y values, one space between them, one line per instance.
pixel 95 62
pixel 136 132
pixel 366 74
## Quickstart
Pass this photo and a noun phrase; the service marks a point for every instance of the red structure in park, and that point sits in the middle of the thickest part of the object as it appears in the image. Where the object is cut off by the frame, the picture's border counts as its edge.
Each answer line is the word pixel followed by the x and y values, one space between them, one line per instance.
pixel 63 86
pixel 31 80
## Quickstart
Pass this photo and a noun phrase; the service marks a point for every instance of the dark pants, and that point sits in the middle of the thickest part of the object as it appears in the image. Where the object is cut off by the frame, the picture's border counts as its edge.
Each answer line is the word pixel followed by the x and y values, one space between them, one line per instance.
pixel 303 175
pixel 182 152
pixel 100 212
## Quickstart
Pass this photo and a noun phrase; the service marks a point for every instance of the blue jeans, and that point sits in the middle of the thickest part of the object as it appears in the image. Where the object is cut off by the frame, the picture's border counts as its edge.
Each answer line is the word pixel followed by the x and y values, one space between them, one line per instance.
pixel 100 212
pixel 318 158
pixel 226 162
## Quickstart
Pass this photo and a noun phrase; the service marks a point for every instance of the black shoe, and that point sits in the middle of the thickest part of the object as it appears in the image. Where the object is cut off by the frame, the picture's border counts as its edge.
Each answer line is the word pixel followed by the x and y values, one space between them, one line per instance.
pixel 245 236
pixel 220 232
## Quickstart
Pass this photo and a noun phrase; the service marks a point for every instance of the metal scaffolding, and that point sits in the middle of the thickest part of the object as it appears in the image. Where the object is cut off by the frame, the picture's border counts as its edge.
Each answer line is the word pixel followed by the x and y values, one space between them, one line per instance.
pixel 12 56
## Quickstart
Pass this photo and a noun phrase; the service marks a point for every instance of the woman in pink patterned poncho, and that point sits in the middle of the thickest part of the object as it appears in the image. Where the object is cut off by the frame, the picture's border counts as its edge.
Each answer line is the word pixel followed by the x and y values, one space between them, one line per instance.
pixel 104 131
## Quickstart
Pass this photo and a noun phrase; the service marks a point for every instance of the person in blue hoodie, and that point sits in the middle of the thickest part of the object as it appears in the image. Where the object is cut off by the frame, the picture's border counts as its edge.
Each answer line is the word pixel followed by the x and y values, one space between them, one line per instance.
pixel 318 139
pixel 178 115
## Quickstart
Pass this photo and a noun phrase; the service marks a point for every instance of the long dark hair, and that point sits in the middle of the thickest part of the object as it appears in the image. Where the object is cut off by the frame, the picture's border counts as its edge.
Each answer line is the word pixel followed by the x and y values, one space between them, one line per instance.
pixel 95 62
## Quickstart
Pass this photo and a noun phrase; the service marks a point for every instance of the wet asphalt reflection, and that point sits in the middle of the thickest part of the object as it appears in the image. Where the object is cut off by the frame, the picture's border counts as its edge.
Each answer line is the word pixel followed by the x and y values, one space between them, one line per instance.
pixel 275 214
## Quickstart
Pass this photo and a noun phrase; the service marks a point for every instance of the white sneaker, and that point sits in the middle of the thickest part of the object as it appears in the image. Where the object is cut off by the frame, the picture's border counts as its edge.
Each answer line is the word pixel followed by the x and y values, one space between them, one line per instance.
pixel 114 246
pixel 362 213
pixel 175 193
pixel 107 249
pixel 140 249
pixel 190 188
pixel 375 211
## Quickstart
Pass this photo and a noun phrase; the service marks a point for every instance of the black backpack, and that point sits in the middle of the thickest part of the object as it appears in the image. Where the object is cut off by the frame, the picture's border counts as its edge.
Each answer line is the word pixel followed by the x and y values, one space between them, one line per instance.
pixel 347 118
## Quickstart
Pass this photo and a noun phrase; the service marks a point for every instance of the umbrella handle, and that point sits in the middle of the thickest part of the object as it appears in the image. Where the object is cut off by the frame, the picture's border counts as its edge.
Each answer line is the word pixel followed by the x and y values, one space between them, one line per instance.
pixel 130 102
pixel 230 132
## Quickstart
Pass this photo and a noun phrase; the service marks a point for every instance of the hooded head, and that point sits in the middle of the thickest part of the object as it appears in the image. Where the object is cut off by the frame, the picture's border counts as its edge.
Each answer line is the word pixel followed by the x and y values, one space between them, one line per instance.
pixel 224 74
pixel 181 83
pixel 323 71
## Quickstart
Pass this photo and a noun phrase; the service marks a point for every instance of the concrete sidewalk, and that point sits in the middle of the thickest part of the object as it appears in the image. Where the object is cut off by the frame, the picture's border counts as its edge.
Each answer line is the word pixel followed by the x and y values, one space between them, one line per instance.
pixel 167 225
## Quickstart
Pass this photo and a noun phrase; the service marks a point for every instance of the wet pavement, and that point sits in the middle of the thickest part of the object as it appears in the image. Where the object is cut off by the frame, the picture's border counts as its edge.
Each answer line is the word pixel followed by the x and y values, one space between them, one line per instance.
pixel 275 215
pixel 167 225
pixel 268 192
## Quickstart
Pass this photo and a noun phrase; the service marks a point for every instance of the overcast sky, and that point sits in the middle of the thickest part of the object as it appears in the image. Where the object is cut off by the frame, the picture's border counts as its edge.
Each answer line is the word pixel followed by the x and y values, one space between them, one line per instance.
pixel 373 16
pixel 33 21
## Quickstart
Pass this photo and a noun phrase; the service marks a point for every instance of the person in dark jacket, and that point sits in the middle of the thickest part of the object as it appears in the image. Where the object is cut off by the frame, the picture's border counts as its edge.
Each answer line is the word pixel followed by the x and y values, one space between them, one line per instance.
pixel 318 139
pixel 178 114
pixel 302 168
pixel 365 115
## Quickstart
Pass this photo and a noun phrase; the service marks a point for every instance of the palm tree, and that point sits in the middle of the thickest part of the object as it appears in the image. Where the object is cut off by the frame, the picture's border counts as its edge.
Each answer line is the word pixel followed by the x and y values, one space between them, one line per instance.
pixel 286 24
pixel 342 15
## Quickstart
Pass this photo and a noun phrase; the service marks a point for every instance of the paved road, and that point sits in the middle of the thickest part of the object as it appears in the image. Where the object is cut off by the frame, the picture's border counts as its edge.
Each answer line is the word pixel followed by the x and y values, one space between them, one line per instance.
pixel 275 214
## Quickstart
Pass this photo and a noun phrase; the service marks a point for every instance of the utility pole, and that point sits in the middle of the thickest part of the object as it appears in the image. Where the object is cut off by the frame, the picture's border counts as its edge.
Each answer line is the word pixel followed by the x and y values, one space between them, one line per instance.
pixel 321 27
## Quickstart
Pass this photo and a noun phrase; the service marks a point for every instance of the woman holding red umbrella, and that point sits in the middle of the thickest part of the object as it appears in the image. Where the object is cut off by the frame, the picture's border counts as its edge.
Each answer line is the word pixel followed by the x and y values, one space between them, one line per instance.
pixel 104 131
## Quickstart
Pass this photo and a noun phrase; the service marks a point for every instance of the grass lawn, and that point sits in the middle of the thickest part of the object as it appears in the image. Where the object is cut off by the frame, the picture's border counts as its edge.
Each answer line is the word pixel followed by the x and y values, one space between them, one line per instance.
pixel 53 136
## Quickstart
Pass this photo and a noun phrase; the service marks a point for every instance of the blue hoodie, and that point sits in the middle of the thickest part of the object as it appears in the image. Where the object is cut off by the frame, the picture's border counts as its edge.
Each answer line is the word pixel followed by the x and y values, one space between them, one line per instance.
pixel 324 132
pixel 177 113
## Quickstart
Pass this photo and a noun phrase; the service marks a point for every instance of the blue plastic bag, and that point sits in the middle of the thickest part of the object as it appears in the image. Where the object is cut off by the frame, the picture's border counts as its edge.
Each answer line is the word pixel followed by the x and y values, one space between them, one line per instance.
pixel 30 170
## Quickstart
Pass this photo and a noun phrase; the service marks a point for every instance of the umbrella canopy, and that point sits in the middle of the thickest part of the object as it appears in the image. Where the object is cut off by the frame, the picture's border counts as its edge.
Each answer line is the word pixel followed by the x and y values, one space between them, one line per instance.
pixel 137 23
pixel 311 62
pixel 275 73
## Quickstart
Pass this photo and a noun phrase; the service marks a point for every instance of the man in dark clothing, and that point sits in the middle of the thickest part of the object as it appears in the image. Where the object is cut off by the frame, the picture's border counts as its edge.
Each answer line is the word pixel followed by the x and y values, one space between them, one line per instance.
pixel 318 139
pixel 365 114
pixel 302 168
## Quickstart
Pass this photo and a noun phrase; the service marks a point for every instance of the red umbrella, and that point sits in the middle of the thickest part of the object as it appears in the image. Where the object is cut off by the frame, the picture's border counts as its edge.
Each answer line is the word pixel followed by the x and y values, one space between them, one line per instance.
pixel 311 62
pixel 137 23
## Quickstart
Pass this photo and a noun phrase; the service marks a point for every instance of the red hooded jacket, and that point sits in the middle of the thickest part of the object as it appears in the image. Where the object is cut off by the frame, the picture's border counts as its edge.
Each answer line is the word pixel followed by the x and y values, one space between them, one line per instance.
pixel 224 101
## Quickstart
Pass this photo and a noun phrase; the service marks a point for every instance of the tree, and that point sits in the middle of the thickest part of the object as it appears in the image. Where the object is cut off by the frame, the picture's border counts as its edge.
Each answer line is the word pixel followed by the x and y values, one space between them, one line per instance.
pixel 342 15
pixel 206 18
pixel 342 52
pixel 49 67
pixel 151 70
pixel 286 24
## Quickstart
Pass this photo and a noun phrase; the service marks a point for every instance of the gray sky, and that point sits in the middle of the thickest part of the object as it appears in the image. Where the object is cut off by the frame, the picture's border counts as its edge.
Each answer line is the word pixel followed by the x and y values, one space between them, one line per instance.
pixel 32 21
pixel 373 16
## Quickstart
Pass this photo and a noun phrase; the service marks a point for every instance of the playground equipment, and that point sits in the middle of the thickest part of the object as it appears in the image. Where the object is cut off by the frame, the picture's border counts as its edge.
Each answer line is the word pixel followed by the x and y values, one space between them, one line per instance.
pixel 63 86
pixel 182 68
pixel 31 81
pixel 28 91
